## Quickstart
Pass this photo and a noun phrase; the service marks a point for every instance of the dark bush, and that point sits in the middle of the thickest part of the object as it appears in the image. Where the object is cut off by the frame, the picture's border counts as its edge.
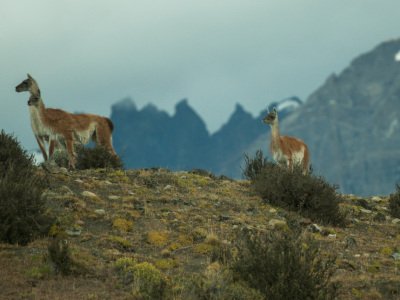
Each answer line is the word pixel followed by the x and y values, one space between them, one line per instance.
pixel 284 265
pixel 254 166
pixel 97 157
pixel 309 195
pixel 394 203
pixel 12 155
pixel 21 204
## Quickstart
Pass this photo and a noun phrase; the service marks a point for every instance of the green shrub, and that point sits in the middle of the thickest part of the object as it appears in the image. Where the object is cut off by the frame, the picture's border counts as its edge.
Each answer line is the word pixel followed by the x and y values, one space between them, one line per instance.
pixel 97 157
pixel 60 255
pixel 283 265
pixel 146 280
pixel 308 195
pixel 21 204
pixel 220 286
pixel 254 166
pixel 394 203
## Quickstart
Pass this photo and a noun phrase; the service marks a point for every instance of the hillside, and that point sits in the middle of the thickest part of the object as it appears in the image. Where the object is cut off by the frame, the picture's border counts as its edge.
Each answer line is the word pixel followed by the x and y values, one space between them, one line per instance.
pixel 175 222
pixel 351 124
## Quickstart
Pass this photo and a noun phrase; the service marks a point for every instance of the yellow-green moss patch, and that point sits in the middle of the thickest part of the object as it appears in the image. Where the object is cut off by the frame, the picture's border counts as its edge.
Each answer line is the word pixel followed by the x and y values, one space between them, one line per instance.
pixel 122 224
pixel 157 238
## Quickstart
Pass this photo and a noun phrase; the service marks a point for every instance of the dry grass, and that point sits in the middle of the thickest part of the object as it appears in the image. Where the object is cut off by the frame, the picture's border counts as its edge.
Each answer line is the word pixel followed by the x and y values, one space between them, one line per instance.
pixel 180 223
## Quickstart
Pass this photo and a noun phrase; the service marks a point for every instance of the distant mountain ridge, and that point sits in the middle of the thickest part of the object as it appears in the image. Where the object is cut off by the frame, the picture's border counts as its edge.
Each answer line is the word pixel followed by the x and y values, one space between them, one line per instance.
pixel 151 138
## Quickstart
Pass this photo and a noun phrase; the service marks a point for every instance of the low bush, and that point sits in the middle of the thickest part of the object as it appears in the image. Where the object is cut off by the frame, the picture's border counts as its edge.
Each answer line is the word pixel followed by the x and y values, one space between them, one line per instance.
pixel 89 158
pixel 60 256
pixel 394 203
pixel 254 166
pixel 284 265
pixel 309 195
pixel 97 157
pixel 146 281
pixel 22 208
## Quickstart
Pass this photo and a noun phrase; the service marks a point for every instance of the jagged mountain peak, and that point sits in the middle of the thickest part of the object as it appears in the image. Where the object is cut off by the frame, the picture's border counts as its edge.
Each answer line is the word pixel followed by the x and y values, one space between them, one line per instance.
pixel 126 104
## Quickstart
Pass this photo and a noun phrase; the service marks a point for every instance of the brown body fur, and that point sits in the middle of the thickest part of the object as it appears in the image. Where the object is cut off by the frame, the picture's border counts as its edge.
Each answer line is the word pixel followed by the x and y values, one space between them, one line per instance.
pixel 287 150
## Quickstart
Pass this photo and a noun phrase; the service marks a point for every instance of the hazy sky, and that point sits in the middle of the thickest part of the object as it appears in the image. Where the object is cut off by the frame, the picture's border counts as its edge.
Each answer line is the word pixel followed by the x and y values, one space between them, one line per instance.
pixel 87 55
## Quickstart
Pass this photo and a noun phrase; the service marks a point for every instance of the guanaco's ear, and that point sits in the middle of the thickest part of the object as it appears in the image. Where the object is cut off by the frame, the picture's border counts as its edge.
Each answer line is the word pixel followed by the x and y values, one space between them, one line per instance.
pixel 29 76
pixel 274 109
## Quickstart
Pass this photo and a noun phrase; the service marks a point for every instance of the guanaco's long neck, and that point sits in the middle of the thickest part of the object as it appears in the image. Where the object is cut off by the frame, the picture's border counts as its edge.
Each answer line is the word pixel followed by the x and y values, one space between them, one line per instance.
pixel 275 136
pixel 36 97
pixel 37 109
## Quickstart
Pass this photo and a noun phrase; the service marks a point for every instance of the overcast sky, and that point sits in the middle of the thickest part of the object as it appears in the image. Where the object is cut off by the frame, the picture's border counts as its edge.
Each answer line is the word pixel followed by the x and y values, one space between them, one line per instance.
pixel 87 55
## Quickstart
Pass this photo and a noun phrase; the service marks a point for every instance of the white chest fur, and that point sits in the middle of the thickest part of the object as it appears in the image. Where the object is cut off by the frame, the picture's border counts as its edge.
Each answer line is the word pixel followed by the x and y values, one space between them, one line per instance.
pixel 37 125
pixel 279 157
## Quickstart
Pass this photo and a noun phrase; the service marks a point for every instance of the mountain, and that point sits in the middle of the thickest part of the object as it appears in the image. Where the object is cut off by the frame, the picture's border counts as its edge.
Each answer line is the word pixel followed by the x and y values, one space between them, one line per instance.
pixel 352 124
pixel 152 138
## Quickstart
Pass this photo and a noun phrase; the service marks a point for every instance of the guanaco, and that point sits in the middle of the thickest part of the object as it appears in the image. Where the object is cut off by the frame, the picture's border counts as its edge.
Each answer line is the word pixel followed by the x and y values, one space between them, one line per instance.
pixel 286 150
pixel 57 127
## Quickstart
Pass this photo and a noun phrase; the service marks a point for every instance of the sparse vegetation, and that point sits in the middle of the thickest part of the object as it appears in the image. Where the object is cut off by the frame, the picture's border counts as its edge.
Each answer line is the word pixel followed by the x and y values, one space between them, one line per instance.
pixel 284 265
pixel 21 204
pixel 394 203
pixel 183 241
pixel 311 196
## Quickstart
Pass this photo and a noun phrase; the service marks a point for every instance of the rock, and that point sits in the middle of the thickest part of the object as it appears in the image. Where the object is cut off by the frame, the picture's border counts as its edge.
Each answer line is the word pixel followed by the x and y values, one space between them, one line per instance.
pixel 73 232
pixel 100 212
pixel 113 197
pixel 272 210
pixel 315 228
pixel 89 194
pixel 167 187
pixel 376 199
pixel 332 236
pixel 396 256
pixel 277 223
pixel 365 211
pixel 78 180
pixel 396 221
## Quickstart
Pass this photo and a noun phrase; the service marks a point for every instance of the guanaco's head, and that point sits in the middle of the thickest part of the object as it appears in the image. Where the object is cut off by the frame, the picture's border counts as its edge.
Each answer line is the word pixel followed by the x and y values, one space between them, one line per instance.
pixel 28 85
pixel 271 118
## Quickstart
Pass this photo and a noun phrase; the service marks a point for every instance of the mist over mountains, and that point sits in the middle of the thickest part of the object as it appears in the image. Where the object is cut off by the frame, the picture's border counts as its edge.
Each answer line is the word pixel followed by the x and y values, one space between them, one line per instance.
pixel 351 125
